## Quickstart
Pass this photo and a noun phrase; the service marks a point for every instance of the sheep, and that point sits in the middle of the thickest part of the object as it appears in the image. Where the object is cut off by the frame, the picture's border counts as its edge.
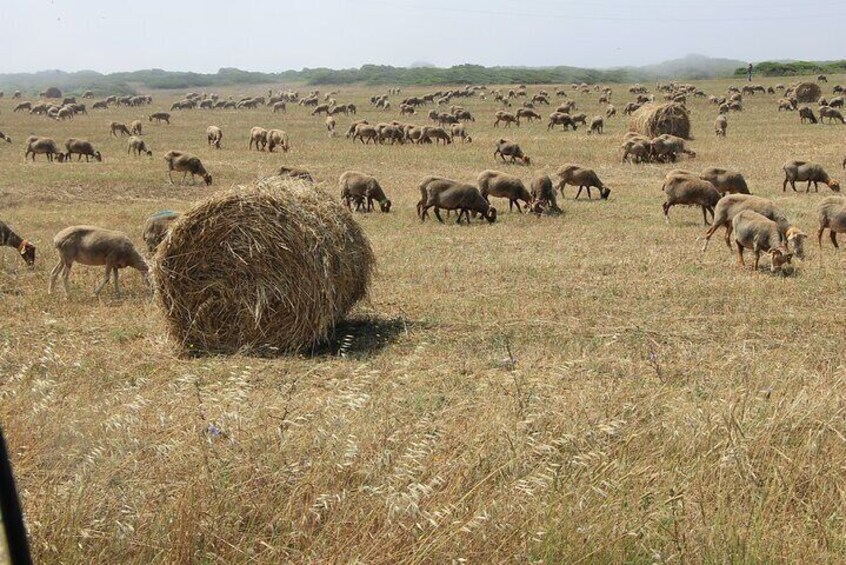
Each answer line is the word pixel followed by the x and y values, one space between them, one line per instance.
pixel 414 134
pixel 330 125
pixel 560 119
pixel 806 114
pixel 787 104
pixel 295 173
pixel 458 130
pixel 65 113
pixel 760 234
pixel 584 178
pixel 831 114
pixel 100 105
pixel 610 111
pixel 725 181
pixel 579 119
pixel 214 135
pixel 351 130
pixel 5 137
pixel 832 215
pixel 93 246
pixel 732 204
pixel 156 227
pixel 365 133
pixel 505 148
pixel 502 185
pixel 392 133
pixel 258 136
pixel 25 249
pixel 135 127
pixel 279 107
pixel 43 146
pixel 631 108
pixel 436 135
pixel 506 118
pixel 636 150
pixel 682 188
pixel 543 194
pixel 159 117
pixel 448 194
pixel 277 138
pixel 596 125
pixel 22 106
pixel 81 147
pixel 119 128
pixel 362 189
pixel 137 145
pixel 529 115
pixel 805 171
pixel 321 109
pixel 186 163
pixel 720 125
pixel 667 147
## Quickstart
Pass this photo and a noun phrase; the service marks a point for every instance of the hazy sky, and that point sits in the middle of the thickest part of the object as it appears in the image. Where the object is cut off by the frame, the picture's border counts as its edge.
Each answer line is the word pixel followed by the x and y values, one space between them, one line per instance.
pixel 274 35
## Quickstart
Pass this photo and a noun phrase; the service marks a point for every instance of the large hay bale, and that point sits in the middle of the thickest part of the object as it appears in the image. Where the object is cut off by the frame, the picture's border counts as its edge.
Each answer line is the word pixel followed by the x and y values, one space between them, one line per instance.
pixel 653 120
pixel 807 92
pixel 262 269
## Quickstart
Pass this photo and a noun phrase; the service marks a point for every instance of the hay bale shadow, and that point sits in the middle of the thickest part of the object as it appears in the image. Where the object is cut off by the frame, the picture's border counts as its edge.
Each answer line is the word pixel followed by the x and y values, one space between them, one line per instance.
pixel 362 336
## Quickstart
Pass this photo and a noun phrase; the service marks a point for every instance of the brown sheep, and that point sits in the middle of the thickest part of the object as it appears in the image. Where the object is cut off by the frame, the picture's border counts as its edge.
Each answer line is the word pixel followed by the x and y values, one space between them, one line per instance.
pixel 5 137
pixel 137 145
pixel 560 119
pixel 505 148
pixel 543 194
pixel 135 127
pixel 159 117
pixel 365 133
pixel 355 124
pixel 528 115
pixel 330 125
pixel 119 128
pixel 43 146
pixel 760 234
pixel 436 135
pixel 732 204
pixel 831 114
pixel 278 138
pixel 279 107
pixel 584 178
pixel 610 111
pixel 458 130
pixel 25 249
pixel 596 125
pixel 258 136
pixel 214 135
pixel 81 147
pixel 362 189
pixel 295 173
pixel 832 215
pixel 805 171
pixel 186 163
pixel 720 125
pixel 685 189
pixel 725 181
pixel 502 185
pixel 156 227
pixel 506 118
pixel 806 114
pixel 441 193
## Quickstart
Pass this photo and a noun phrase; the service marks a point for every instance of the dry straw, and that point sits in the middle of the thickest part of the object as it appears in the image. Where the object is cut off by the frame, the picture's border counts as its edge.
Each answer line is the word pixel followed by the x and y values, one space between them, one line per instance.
pixel 807 92
pixel 265 268
pixel 653 120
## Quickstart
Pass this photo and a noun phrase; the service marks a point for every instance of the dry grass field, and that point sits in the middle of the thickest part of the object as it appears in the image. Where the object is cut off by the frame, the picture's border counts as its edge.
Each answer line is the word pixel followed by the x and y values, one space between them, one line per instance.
pixel 589 388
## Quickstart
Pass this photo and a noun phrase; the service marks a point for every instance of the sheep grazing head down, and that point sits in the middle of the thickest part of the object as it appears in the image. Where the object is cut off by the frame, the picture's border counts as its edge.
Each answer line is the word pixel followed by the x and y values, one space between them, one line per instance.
pixel 604 192
pixel 779 258
pixel 385 205
pixel 98 156
pixel 27 251
pixel 526 160
pixel 490 215
pixel 834 185
pixel 207 178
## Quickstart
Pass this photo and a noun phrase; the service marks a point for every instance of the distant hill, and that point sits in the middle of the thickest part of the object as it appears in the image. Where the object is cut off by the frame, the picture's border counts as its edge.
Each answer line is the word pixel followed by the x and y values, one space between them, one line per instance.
pixel 690 67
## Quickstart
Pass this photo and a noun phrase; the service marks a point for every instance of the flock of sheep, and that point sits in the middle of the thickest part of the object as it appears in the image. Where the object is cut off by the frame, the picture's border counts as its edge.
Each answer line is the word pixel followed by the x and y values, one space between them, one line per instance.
pixel 755 222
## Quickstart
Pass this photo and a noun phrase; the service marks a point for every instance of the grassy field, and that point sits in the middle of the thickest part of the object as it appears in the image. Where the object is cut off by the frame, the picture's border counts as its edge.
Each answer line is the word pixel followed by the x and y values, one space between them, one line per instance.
pixel 589 388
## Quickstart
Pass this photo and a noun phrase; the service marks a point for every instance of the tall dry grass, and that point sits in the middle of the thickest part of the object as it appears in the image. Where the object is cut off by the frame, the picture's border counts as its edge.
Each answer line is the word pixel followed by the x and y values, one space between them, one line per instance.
pixel 582 389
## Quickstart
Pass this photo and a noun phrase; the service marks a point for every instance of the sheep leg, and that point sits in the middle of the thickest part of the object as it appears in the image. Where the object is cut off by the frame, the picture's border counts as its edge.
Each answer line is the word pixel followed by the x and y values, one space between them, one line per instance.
pixel 820 235
pixel 740 262
pixel 66 277
pixel 117 284
pixel 54 274
pixel 757 258
pixel 666 207
pixel 705 216
pixel 588 192
pixel 833 236
pixel 105 280
pixel 577 194
pixel 437 213
pixel 170 176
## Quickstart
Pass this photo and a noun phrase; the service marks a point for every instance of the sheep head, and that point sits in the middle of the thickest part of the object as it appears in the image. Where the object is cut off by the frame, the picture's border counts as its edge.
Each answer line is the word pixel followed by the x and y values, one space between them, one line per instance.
pixel 490 215
pixel 207 178
pixel 27 251
pixel 834 185
pixel 780 257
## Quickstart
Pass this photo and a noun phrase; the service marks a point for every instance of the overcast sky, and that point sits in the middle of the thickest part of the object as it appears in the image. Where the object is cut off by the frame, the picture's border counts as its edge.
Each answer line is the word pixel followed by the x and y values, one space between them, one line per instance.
pixel 275 35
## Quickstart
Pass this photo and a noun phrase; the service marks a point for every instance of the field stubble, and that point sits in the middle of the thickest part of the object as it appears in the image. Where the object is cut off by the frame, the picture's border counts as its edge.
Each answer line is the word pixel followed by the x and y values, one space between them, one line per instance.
pixel 587 388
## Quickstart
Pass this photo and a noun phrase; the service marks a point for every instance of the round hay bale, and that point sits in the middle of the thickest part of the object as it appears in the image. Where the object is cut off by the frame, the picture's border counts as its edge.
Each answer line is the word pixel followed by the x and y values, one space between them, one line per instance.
pixel 807 92
pixel 653 120
pixel 264 269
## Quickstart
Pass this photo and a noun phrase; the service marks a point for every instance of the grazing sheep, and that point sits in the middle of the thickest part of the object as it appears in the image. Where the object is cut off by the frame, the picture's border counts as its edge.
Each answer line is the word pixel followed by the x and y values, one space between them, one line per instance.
pixel 135 127
pixel 330 125
pixel 760 234
pixel 720 125
pixel 436 135
pixel 321 109
pixel 725 181
pixel 529 115
pixel 279 107
pixel 93 246
pixel 137 145
pixel 277 138
pixel 119 128
pixel 392 133
pixel 159 117
pixel 43 146
pixel 610 111
pixel 156 227
pixel 667 147
pixel 732 204
pixel 258 136
pixel 295 173
pixel 584 178
pixel 366 133
pixel 682 188
pixel 5 137
pixel 458 130
pixel 506 118
pixel 502 185
pixel 543 194
pixel 831 114
pixel 351 131
pixel 832 214
pixel 22 106
pixel 636 149
pixel 560 119
pixel 810 172
pixel 596 125
pixel 214 135
pixel 580 119
pixel 25 249
pixel 100 105
pixel 363 189
pixel 186 163
pixel 807 114
pixel 631 108
pixel 81 147
pixel 505 148
pixel 441 193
